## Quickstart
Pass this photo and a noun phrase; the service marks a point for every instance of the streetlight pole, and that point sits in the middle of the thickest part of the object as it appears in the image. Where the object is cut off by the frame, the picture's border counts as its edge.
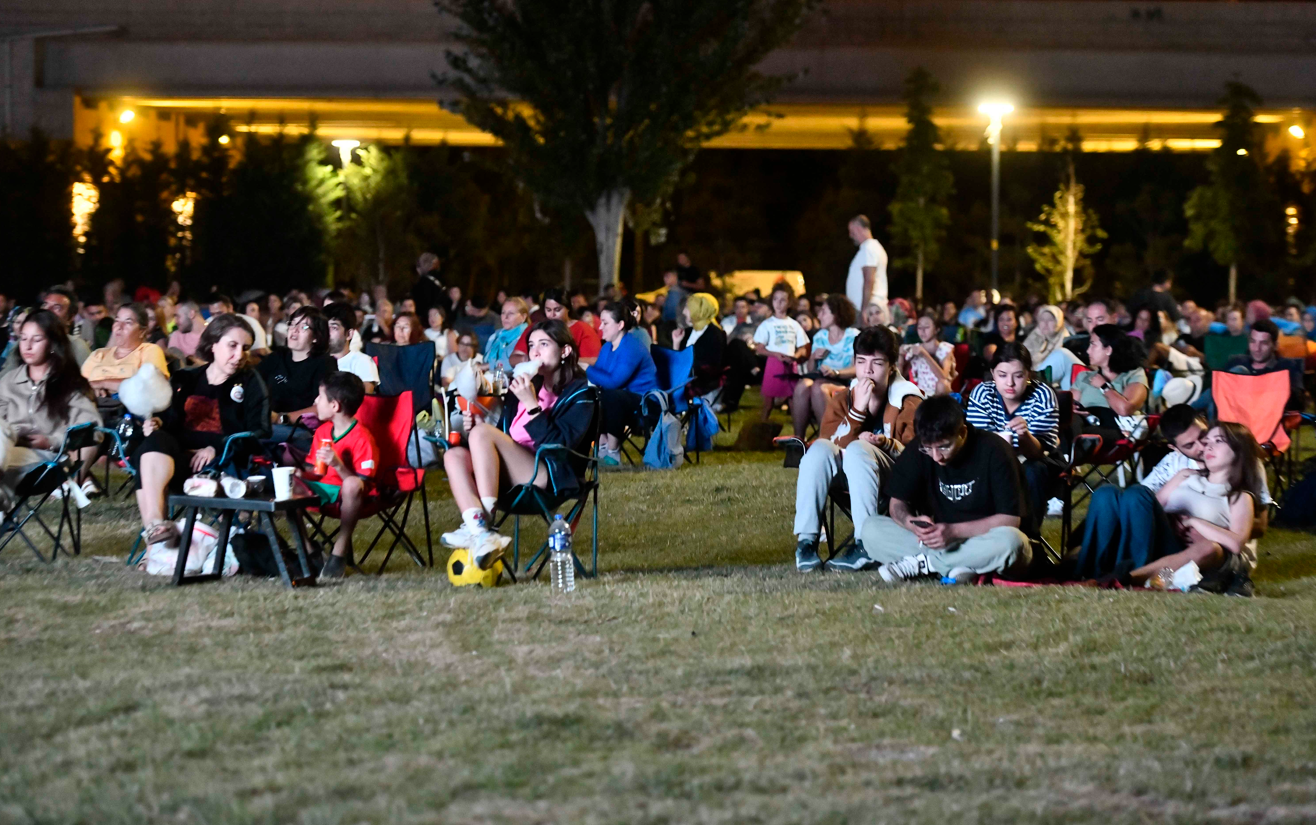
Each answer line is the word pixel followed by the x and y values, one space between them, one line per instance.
pixel 996 111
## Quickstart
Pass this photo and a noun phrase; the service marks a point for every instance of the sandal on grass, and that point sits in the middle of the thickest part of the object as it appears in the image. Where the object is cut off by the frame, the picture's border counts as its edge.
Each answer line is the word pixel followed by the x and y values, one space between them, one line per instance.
pixel 161 531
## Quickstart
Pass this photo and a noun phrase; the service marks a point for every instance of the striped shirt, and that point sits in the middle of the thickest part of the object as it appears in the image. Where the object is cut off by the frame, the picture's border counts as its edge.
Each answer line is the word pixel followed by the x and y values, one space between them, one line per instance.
pixel 1039 409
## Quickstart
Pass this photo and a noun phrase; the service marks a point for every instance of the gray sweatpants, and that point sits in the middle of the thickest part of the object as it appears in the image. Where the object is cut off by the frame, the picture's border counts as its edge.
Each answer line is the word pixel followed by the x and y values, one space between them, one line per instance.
pixel 996 551
pixel 865 468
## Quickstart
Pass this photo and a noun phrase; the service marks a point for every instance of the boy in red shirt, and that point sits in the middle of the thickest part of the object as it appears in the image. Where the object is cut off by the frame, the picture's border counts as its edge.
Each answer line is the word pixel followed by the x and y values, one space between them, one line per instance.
pixel 347 452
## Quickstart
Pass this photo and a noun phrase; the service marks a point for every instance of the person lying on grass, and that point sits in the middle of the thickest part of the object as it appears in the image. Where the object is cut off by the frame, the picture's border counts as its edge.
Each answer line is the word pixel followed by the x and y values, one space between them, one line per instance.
pixel 956 503
pixel 222 397
pixel 1213 508
pixel 347 451
pixel 863 429
pixel 553 406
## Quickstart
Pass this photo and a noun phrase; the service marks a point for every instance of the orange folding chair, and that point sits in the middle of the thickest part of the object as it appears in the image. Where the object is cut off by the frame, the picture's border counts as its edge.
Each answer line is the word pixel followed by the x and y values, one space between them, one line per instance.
pixel 1258 402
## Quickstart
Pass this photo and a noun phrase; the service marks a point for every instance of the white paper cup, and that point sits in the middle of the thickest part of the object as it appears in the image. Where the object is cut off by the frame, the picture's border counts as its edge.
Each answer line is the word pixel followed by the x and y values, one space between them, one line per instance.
pixel 233 487
pixel 283 483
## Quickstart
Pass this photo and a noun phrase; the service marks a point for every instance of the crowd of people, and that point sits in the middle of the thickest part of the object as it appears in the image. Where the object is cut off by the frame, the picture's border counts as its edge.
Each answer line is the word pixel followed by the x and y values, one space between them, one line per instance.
pixel 944 422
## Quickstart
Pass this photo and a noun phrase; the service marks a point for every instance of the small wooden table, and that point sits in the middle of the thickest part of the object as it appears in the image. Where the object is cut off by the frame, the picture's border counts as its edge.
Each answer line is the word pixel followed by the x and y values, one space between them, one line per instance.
pixel 263 510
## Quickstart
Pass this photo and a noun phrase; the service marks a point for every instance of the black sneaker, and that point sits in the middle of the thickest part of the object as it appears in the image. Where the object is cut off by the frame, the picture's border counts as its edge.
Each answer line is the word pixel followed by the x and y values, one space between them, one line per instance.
pixel 1241 586
pixel 335 567
pixel 806 555
pixel 851 560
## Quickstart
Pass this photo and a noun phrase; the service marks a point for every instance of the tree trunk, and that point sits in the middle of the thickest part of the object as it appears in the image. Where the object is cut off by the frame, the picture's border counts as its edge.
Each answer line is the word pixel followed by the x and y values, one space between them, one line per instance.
pixel 1233 283
pixel 606 218
pixel 918 279
pixel 637 272
pixel 566 274
pixel 1070 227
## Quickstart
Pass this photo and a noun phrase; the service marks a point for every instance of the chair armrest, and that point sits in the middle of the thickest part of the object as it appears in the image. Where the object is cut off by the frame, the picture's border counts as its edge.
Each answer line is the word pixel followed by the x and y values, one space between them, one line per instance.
pixel 228 446
pixel 788 440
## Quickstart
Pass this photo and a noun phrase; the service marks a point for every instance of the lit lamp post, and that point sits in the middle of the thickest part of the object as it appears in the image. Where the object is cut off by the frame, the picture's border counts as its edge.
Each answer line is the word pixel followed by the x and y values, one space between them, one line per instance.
pixel 345 148
pixel 995 111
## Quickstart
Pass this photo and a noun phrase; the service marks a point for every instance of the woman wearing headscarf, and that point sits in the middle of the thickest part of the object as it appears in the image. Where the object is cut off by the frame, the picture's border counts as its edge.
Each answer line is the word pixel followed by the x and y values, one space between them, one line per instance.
pixel 707 338
pixel 1045 345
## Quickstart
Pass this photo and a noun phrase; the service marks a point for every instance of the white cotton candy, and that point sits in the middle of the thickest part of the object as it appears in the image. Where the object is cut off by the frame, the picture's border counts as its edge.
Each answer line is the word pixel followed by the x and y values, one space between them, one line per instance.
pixel 147 392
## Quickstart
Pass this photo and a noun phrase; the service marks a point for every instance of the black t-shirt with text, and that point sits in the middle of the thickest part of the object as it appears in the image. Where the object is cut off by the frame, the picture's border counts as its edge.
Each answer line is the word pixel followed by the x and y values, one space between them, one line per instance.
pixel 293 385
pixel 982 481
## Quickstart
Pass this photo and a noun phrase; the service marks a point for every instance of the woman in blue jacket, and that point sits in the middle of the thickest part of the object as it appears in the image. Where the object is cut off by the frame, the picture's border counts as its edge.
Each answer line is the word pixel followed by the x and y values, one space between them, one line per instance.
pixel 624 372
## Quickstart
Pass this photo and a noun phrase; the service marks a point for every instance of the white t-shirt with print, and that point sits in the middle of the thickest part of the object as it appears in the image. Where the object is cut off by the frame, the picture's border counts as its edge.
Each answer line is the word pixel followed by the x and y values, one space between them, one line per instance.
pixel 782 335
pixel 870 253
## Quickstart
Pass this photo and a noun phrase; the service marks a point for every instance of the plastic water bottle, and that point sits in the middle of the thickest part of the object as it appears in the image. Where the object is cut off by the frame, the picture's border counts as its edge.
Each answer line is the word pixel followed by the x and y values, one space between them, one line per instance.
pixel 560 559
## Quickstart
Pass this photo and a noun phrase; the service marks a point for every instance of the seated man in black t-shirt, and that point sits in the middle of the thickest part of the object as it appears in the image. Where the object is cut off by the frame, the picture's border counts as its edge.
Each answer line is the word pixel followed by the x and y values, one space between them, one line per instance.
pixel 956 503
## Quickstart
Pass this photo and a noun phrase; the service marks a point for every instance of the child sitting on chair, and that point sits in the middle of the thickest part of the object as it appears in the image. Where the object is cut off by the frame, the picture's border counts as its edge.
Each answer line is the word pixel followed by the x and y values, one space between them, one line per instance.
pixel 346 451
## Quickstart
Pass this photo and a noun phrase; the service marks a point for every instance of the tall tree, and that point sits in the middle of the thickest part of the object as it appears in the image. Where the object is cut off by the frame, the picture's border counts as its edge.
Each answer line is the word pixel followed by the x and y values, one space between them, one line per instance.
pixel 1236 216
pixel 919 216
pixel 601 102
pixel 1072 235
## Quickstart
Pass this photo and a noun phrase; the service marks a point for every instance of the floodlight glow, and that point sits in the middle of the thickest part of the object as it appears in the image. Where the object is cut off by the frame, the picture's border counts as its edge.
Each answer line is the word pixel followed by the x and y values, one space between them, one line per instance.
pixel 996 110
pixel 127 115
pixel 345 147
pixel 1241 152
pixel 224 140
pixel 116 139
pixel 1297 131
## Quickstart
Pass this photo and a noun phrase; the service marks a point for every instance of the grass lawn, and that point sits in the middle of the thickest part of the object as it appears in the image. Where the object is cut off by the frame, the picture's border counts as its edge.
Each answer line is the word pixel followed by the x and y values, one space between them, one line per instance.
pixel 701 679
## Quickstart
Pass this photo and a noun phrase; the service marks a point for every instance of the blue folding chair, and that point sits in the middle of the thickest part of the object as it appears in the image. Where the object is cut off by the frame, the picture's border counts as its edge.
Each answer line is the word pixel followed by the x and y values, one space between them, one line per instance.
pixel 676 377
pixel 40 484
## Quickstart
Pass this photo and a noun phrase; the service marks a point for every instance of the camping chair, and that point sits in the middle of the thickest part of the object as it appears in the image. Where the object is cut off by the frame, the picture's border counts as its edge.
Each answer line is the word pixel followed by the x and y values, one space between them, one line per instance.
pixel 391 421
pixel 544 502
pixel 838 496
pixel 410 369
pixel 1220 348
pixel 1258 403
pixel 227 459
pixel 676 378
pixel 1100 463
pixel 962 353
pixel 41 483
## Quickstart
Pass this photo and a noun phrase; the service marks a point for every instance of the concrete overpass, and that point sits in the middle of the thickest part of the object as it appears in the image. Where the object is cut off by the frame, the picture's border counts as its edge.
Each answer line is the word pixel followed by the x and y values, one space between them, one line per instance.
pixel 1121 72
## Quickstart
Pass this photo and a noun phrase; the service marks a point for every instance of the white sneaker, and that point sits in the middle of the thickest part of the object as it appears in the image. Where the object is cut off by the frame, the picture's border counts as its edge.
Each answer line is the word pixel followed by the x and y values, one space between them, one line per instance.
pixel 464 536
pixel 90 490
pixel 1055 507
pixel 910 567
pixel 488 548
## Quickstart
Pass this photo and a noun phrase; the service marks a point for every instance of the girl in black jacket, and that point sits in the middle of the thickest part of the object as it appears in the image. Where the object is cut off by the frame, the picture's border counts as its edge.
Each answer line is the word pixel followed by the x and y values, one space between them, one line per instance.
pixel 210 403
pixel 554 406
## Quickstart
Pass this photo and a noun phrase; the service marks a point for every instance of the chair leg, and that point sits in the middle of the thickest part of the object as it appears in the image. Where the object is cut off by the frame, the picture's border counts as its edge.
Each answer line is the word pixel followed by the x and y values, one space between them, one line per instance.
pixel 595 537
pixel 425 508
pixel 516 543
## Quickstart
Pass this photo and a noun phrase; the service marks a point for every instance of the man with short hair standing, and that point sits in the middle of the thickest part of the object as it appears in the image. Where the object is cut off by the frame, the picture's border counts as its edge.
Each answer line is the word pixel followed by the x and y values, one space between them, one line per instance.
pixel 866 281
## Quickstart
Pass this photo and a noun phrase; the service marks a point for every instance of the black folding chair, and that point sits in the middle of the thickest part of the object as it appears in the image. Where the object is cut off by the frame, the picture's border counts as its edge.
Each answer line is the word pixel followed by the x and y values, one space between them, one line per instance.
pixel 838 496
pixel 529 500
pixel 40 484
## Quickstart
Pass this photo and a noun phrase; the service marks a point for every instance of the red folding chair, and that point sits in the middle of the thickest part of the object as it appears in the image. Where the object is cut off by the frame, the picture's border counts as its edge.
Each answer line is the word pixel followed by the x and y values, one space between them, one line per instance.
pixel 962 354
pixel 390 419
